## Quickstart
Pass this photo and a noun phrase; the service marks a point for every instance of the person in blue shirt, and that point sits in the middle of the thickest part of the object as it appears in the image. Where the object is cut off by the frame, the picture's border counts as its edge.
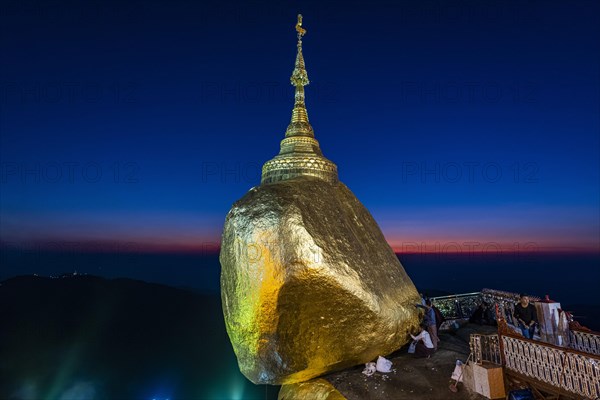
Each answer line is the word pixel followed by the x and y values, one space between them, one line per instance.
pixel 430 321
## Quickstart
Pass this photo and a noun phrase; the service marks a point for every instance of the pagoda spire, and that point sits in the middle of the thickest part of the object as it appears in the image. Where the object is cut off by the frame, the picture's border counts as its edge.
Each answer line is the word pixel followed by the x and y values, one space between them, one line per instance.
pixel 299 152
pixel 299 125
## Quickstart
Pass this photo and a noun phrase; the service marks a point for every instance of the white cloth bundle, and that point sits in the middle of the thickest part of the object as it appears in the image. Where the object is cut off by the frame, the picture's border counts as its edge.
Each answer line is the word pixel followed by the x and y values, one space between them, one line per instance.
pixel 384 365
pixel 370 369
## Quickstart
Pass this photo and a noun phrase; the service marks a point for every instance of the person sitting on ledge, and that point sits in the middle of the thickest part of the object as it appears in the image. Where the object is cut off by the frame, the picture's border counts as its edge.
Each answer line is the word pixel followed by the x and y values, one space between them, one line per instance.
pixel 526 316
pixel 424 347
pixel 478 316
pixel 483 315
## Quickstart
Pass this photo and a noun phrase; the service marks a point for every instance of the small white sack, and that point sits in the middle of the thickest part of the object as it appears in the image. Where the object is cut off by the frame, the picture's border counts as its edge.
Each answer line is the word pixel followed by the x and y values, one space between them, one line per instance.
pixel 412 347
pixel 457 374
pixel 369 369
pixel 384 365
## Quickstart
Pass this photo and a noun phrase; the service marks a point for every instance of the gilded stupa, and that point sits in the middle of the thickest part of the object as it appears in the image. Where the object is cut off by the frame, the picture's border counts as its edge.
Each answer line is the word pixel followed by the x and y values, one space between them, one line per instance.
pixel 308 282
pixel 300 153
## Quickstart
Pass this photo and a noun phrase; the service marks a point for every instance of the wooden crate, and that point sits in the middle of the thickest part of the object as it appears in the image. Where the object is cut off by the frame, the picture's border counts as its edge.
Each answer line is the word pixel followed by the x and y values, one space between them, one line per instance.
pixel 486 379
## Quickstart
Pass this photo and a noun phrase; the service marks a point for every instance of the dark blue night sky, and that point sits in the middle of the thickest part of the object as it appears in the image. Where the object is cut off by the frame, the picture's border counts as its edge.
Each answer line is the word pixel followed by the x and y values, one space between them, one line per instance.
pixel 452 122
pixel 129 128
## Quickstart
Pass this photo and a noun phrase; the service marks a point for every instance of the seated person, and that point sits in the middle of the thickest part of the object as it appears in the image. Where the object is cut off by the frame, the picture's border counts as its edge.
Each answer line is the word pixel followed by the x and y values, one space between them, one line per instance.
pixel 490 315
pixel 483 315
pixel 424 346
pixel 526 316
pixel 478 315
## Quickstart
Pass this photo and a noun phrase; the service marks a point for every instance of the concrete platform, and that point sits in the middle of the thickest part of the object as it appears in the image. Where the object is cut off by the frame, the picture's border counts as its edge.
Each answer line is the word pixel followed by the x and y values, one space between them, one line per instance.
pixel 413 378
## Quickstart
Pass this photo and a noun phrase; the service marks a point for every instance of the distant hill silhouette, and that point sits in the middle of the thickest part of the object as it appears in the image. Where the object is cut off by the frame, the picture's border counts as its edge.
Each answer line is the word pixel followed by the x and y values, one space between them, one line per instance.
pixel 89 337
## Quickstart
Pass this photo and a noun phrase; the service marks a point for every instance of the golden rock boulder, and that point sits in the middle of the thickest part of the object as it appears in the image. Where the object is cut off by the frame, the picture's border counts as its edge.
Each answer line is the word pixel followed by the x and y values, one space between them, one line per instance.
pixel 317 389
pixel 309 283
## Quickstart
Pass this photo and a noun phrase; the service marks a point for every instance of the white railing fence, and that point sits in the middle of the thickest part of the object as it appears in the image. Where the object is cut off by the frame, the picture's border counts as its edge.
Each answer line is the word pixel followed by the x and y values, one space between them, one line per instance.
pixel 569 370
pixel 584 341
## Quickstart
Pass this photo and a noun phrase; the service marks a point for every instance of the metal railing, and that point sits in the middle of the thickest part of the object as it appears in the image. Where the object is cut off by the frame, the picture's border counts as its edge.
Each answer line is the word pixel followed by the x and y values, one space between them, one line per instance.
pixel 462 306
pixel 503 301
pixel 457 306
